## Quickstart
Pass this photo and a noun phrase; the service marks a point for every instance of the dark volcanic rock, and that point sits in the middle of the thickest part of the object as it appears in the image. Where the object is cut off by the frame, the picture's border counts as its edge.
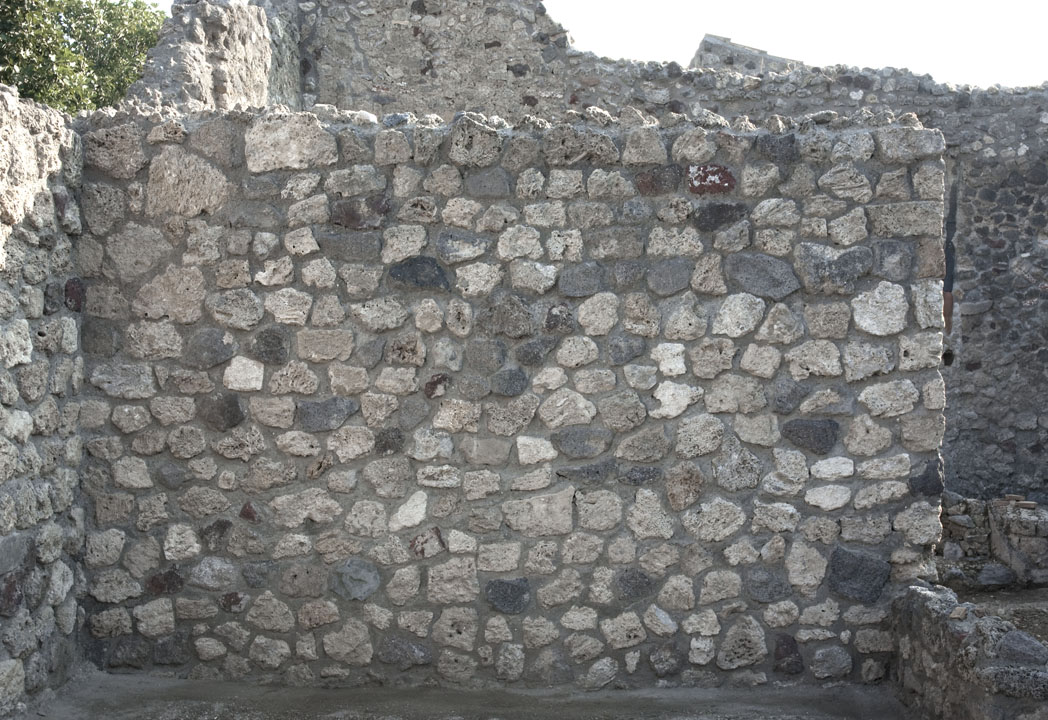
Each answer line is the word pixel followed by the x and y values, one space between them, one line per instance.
pixel 581 442
pixel 788 658
pixel 623 348
pixel 508 596
pixel 581 279
pixel 856 575
pixel 634 584
pixel 209 347
pixel 594 474
pixel 829 270
pixel 641 476
pixel 319 416
pixel 819 436
pixel 534 352
pixel 667 277
pixel 221 411
pixel 560 319
pixel 714 216
pixel 667 659
pixel 658 181
pixel 404 652
pixel 272 346
pixel 765 586
pixel 780 149
pixel 930 481
pixel 761 275
pixel 509 382
pixel 420 272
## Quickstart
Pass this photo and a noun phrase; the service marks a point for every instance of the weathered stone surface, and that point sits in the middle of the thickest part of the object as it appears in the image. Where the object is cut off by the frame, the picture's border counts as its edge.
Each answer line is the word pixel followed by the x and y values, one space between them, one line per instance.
pixel 698 435
pixel 355 579
pixel 581 442
pixel 178 294
pixel 856 575
pixel 403 652
pixel 738 315
pixel 117 150
pixel 831 271
pixel 129 382
pixel 566 407
pixel 293 141
pixel 831 662
pixel 508 596
pixel 714 520
pixel 819 436
pixel 761 275
pixel 184 184
pixel 453 581
pixel 541 515
pixel 623 631
pixel 881 311
pixel 646 518
pixel 351 645
pixel 744 644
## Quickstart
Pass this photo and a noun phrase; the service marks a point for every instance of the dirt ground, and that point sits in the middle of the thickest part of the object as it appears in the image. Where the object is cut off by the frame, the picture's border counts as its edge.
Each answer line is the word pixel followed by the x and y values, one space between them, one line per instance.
pixel 97 696
pixel 1027 609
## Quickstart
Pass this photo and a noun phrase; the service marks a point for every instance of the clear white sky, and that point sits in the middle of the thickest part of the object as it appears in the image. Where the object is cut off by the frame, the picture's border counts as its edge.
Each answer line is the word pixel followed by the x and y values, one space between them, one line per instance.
pixel 961 41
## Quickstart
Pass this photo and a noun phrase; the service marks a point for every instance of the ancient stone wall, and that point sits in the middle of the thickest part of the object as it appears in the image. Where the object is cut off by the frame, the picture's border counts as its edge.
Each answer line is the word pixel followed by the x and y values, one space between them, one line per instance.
pixel 952 663
pixel 603 402
pixel 511 59
pixel 224 55
pixel 41 373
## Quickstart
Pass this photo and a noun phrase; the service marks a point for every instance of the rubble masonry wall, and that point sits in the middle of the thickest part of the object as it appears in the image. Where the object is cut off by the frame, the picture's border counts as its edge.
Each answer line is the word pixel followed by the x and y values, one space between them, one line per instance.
pixel 511 59
pixel 41 375
pixel 598 403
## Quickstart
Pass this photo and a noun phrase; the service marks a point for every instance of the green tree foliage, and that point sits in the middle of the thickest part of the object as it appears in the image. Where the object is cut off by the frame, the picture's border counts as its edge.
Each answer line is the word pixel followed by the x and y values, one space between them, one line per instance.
pixel 75 54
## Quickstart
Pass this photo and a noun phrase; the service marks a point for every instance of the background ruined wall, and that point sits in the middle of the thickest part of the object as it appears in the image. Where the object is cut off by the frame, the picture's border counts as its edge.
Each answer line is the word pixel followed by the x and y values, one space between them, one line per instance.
pixel 511 59
pixel 592 403
pixel 41 372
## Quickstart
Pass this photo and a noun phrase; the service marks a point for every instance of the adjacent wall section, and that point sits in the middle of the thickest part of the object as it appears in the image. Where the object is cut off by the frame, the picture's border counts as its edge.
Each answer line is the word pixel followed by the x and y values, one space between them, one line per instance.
pixel 41 371
pixel 594 403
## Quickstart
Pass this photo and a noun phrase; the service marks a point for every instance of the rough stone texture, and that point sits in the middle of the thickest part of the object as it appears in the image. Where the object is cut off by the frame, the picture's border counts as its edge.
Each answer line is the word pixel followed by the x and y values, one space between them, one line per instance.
pixel 520 322
pixel 981 666
pixel 43 511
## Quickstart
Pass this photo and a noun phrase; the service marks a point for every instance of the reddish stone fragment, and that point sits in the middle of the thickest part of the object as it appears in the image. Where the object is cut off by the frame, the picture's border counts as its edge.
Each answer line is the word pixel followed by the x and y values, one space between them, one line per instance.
pixel 710 179
pixel 233 602
pixel 249 513
pixel 165 583
pixel 437 385
pixel 75 294
pixel 428 544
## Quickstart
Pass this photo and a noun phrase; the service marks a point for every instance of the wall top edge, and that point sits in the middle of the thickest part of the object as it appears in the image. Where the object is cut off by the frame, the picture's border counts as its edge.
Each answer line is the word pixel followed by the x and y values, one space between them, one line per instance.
pixel 592 118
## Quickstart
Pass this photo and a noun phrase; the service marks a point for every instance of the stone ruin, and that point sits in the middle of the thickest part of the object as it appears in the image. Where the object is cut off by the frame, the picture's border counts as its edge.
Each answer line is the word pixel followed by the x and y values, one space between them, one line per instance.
pixel 400 342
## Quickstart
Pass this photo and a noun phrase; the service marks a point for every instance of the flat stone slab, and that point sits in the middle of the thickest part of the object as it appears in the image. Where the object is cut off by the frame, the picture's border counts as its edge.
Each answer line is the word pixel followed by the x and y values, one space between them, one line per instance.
pixel 96 696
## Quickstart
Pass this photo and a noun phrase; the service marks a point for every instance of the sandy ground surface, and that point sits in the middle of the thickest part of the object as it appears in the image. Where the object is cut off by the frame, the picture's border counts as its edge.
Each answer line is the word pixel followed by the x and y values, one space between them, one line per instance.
pixel 96 696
